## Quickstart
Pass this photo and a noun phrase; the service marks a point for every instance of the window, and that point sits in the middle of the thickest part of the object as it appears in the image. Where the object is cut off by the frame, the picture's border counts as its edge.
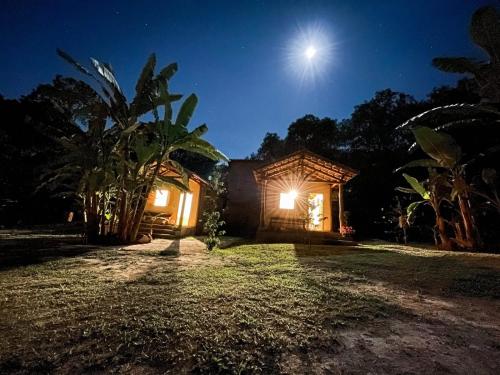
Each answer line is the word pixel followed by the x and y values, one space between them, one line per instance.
pixel 287 200
pixel 161 198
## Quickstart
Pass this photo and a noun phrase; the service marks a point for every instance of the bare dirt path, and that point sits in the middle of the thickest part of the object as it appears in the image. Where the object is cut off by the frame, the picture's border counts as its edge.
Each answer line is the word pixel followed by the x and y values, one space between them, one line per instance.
pixel 280 308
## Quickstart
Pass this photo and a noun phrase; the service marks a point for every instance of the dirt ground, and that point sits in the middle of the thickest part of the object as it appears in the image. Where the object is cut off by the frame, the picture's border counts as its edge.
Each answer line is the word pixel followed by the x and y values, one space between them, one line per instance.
pixel 396 309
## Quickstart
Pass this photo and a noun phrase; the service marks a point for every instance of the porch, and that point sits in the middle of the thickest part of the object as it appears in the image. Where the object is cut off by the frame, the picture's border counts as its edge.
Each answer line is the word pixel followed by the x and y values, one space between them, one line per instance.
pixel 302 195
pixel 171 212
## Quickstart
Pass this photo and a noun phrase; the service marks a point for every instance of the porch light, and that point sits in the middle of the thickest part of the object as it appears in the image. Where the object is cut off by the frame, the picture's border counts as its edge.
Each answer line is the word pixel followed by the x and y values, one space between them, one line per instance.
pixel 287 200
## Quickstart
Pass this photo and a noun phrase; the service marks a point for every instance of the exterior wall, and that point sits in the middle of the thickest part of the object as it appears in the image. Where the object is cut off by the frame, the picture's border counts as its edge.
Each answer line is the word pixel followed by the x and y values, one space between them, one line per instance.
pixel 242 210
pixel 173 202
pixel 272 201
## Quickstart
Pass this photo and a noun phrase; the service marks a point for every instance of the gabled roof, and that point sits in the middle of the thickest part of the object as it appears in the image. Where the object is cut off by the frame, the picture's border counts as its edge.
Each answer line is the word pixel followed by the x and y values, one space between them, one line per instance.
pixel 167 168
pixel 307 163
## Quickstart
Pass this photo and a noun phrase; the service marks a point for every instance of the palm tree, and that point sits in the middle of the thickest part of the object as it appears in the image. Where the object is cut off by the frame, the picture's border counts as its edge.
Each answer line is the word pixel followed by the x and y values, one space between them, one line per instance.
pixel 129 153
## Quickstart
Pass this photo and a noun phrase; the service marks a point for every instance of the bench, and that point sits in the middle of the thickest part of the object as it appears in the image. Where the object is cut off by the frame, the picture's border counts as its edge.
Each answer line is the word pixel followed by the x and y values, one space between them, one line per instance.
pixel 287 224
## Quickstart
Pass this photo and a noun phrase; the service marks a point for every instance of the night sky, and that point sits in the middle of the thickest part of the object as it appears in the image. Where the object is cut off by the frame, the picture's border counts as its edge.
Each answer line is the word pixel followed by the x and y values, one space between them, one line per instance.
pixel 235 55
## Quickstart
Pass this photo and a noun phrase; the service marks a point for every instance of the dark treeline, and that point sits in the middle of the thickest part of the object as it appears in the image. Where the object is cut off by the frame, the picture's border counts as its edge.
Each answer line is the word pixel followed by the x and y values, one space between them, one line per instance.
pixel 32 133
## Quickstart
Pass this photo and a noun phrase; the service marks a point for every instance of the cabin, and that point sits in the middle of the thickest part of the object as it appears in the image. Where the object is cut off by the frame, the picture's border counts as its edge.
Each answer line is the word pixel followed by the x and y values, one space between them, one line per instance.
pixel 171 212
pixel 300 193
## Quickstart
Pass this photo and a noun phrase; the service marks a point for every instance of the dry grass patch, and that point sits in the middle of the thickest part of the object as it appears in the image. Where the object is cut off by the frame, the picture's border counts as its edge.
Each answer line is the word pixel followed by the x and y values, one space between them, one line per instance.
pixel 245 309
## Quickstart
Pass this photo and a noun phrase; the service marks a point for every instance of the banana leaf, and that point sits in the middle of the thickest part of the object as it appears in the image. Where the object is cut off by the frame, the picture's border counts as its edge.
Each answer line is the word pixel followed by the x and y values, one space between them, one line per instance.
pixel 425 163
pixel 441 147
pixel 456 64
pixel 186 111
pixel 417 186
pixel 410 210
pixel 172 181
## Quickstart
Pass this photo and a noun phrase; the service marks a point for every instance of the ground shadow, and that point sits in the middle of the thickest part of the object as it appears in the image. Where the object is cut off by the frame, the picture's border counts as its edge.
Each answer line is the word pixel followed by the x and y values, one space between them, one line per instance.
pixel 173 249
pixel 443 275
pixel 35 248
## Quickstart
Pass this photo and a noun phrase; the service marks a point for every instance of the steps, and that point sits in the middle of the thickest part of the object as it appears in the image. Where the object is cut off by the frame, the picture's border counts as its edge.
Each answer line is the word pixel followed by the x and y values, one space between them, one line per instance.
pixel 165 231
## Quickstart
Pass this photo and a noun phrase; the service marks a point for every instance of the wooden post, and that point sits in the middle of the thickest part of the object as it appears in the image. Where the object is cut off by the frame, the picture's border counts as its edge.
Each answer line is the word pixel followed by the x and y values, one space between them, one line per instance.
pixel 341 206
pixel 262 203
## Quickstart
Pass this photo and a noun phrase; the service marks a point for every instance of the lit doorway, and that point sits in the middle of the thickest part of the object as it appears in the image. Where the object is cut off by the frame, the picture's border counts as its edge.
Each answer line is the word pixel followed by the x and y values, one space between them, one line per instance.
pixel 315 211
pixel 187 209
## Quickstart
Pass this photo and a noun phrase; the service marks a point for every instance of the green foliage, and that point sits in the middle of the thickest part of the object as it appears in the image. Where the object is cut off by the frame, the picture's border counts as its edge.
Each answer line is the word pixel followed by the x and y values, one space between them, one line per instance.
pixel 123 162
pixel 410 210
pixel 439 146
pixel 212 222
pixel 485 32
pixel 427 163
pixel 417 186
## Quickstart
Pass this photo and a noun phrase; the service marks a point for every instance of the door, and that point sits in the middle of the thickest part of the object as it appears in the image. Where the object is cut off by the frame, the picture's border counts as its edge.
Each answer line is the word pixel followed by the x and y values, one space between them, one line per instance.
pixel 316 217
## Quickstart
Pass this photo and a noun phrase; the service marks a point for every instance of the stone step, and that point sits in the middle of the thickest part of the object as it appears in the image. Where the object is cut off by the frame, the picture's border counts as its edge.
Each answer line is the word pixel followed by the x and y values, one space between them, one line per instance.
pixel 166 231
pixel 158 229
pixel 157 225
pixel 165 236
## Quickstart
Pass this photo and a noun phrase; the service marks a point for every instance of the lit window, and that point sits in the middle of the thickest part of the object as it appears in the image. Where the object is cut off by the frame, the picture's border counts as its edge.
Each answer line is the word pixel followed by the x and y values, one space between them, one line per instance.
pixel 287 200
pixel 161 198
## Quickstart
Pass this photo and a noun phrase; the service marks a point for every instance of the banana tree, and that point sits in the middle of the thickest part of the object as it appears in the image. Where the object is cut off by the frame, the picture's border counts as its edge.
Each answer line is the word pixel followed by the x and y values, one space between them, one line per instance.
pixel 446 155
pixel 485 32
pixel 490 179
pixel 139 149
pixel 433 192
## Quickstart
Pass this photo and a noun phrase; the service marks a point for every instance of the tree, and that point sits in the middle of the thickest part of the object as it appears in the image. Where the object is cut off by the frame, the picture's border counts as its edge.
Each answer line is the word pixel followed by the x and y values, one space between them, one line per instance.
pixel 30 136
pixel 446 155
pixel 373 124
pixel 271 148
pixel 475 124
pixel 125 159
pixel 432 194
pixel 311 132
pixel 212 223
pixel 320 135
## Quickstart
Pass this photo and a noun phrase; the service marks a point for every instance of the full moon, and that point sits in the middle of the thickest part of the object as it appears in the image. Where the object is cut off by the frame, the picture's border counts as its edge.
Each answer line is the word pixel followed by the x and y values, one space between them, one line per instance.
pixel 310 52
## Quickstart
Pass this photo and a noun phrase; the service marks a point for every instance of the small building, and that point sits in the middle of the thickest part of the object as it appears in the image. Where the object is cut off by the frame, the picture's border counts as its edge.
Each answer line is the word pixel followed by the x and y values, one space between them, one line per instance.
pixel 301 192
pixel 171 212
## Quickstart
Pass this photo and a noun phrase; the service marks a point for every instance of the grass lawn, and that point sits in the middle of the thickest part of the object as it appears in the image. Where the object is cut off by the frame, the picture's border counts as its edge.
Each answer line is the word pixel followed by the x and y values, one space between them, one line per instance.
pixel 256 308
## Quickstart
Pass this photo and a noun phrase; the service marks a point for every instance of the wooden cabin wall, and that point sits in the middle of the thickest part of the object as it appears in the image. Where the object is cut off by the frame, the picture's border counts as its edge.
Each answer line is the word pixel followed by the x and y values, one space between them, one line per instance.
pixel 172 206
pixel 172 203
pixel 242 211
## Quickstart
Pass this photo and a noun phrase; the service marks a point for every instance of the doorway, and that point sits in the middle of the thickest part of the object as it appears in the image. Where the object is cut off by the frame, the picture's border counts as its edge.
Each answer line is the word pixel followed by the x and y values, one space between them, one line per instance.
pixel 315 211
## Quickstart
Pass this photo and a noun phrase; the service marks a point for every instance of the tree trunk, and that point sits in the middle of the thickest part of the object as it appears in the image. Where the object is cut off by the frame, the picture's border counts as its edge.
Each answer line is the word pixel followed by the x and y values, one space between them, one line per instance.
pixel 445 242
pixel 92 224
pixel 122 220
pixel 113 216
pixel 470 232
pixel 136 222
